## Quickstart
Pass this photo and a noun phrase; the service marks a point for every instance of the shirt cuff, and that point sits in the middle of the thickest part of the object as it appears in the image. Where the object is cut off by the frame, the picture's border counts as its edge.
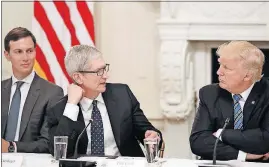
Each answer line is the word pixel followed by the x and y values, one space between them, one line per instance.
pixel 71 111
pixel 241 156
pixel 218 134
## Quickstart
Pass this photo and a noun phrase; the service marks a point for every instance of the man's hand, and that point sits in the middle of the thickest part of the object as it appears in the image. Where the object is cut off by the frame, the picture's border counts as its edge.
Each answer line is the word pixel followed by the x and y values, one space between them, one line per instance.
pixel 75 93
pixel 253 156
pixel 5 145
pixel 150 134
pixel 266 157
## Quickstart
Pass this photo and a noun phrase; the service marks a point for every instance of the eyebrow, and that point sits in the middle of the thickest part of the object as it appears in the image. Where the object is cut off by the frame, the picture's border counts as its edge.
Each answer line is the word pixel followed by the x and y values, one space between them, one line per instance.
pixel 100 68
pixel 22 49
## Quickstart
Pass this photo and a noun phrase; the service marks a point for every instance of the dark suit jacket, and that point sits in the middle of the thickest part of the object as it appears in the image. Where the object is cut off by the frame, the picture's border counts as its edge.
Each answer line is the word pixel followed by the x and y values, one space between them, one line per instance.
pixel 33 134
pixel 128 122
pixel 216 104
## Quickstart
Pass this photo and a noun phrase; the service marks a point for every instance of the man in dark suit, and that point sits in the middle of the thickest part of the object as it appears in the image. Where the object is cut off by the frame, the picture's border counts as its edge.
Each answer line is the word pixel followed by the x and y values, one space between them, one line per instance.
pixel 241 95
pixel 25 97
pixel 117 120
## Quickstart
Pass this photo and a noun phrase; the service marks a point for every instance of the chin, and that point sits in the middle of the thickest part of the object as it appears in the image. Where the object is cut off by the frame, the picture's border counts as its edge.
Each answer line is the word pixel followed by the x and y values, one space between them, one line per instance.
pixel 102 90
pixel 223 86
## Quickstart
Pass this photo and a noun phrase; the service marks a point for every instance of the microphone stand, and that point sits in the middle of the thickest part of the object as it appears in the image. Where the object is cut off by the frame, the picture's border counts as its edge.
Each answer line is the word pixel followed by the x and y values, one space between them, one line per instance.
pixel 75 156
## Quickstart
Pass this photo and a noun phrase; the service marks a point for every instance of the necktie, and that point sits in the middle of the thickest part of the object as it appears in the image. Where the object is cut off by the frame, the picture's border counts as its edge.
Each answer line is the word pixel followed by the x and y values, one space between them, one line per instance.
pixel 97 132
pixel 14 113
pixel 238 113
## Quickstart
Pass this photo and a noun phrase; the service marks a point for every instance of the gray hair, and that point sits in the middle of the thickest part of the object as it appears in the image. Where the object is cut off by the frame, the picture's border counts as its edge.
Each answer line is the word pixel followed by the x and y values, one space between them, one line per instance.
pixel 252 56
pixel 78 58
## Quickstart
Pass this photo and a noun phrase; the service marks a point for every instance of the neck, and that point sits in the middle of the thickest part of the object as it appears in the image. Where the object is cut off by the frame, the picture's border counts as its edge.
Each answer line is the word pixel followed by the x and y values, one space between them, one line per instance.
pixel 242 88
pixel 91 95
pixel 20 76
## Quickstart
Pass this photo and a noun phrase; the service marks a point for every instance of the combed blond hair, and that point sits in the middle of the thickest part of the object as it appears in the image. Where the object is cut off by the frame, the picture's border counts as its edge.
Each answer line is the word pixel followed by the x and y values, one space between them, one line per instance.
pixel 252 56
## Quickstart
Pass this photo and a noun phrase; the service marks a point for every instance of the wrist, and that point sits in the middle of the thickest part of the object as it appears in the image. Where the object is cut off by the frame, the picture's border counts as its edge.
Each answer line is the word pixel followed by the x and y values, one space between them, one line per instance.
pixel 72 101
pixel 11 147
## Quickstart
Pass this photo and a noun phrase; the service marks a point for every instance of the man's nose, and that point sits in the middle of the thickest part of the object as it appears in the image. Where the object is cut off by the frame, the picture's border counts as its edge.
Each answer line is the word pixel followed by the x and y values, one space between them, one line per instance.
pixel 220 71
pixel 105 75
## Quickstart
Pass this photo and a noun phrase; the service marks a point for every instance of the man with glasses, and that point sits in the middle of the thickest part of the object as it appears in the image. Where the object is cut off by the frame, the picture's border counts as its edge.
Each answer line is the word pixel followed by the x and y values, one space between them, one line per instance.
pixel 242 95
pixel 117 120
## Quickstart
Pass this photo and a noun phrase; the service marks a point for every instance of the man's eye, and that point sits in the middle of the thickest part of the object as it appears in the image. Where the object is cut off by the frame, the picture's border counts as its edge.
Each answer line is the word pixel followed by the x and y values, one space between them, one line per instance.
pixel 18 51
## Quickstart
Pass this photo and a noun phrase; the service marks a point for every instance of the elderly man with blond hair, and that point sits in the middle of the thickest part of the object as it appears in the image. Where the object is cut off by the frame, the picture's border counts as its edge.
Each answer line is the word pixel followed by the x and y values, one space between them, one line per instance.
pixel 242 95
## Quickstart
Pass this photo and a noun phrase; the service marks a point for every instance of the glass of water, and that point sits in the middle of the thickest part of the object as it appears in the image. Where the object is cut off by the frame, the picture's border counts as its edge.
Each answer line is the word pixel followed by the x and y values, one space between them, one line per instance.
pixel 60 147
pixel 151 148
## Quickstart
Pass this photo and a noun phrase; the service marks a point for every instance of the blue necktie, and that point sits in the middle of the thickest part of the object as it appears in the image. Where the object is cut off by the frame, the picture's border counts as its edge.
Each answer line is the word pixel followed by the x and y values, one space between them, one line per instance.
pixel 14 113
pixel 97 132
pixel 238 113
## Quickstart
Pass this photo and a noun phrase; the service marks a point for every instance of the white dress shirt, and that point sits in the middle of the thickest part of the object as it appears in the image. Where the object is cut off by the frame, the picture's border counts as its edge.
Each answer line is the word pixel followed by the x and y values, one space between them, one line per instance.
pixel 71 111
pixel 24 92
pixel 241 155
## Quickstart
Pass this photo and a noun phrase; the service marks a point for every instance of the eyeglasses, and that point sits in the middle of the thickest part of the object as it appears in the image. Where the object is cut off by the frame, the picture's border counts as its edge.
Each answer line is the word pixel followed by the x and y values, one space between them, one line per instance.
pixel 100 72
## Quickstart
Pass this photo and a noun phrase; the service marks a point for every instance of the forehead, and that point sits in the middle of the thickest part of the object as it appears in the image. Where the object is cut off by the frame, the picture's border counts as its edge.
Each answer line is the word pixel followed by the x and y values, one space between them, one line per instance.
pixel 229 59
pixel 97 63
pixel 23 43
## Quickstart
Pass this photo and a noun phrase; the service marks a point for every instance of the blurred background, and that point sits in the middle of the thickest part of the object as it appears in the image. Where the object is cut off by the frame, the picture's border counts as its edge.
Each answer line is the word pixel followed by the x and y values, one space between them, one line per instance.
pixel 165 51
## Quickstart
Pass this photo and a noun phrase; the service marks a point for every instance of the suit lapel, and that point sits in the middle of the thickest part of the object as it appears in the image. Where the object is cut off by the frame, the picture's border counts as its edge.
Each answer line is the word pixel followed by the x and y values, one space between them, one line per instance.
pixel 29 104
pixel 251 102
pixel 83 143
pixel 5 104
pixel 226 107
pixel 113 113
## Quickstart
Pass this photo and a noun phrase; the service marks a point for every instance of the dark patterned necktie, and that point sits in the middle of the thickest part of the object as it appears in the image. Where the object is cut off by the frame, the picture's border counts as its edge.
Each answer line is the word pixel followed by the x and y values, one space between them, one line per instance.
pixel 97 132
pixel 238 113
pixel 14 113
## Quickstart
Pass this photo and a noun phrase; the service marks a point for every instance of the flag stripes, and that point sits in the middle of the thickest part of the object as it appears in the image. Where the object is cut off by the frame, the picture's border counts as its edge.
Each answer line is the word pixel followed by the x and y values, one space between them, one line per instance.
pixel 58 25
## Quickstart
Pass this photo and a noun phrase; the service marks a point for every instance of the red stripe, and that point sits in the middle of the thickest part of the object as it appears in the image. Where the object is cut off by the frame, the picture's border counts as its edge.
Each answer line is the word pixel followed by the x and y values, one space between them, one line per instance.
pixel 87 18
pixel 65 14
pixel 56 45
pixel 43 64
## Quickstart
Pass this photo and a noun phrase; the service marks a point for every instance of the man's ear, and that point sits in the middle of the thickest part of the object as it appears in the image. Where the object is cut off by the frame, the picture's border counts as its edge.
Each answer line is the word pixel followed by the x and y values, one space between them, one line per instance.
pixel 249 76
pixel 7 55
pixel 77 78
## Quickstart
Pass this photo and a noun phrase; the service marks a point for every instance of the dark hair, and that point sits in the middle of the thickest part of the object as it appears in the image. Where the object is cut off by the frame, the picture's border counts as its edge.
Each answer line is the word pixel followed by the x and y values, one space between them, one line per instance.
pixel 16 34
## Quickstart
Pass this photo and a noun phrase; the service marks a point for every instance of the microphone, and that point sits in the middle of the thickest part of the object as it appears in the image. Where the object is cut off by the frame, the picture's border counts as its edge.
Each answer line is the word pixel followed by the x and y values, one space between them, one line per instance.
pixel 75 156
pixel 215 150
pixel 216 143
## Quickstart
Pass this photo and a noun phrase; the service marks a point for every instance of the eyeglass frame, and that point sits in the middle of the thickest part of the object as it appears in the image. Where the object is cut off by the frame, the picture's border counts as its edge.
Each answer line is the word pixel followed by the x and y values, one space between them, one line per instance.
pixel 97 72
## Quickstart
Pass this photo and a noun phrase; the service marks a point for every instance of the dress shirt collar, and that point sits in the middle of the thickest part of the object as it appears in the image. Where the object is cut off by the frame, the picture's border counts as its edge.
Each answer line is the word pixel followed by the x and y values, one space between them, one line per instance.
pixel 29 79
pixel 246 93
pixel 86 102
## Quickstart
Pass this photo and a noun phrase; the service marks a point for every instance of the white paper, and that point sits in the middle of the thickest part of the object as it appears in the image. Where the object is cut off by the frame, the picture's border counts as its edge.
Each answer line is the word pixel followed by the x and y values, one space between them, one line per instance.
pixel 11 160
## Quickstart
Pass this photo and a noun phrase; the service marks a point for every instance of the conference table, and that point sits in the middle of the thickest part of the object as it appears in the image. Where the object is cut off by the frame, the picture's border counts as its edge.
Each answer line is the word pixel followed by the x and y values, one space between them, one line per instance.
pixel 47 160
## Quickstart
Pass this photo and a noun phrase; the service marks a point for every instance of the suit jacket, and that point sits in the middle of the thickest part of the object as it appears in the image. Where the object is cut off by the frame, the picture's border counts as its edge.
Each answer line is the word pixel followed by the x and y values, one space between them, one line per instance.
pixel 33 134
pixel 216 104
pixel 128 122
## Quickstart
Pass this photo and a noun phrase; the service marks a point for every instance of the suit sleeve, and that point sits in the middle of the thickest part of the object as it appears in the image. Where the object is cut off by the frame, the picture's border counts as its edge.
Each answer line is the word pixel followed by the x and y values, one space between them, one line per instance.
pixel 254 141
pixel 140 122
pixel 60 125
pixel 202 140
pixel 42 142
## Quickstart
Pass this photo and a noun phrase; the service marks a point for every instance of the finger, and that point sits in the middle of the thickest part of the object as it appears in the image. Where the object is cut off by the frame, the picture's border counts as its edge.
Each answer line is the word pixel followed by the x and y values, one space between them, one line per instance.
pixel 153 135
pixel 265 158
pixel 147 133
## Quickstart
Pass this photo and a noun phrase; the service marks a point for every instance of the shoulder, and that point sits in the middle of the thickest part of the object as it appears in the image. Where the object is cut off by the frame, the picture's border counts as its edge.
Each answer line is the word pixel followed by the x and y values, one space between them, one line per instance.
pixel 264 86
pixel 48 85
pixel 6 81
pixel 212 89
pixel 116 86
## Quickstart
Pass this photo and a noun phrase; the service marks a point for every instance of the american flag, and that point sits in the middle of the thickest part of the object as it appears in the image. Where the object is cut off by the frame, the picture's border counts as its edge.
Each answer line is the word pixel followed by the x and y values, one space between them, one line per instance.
pixel 57 26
